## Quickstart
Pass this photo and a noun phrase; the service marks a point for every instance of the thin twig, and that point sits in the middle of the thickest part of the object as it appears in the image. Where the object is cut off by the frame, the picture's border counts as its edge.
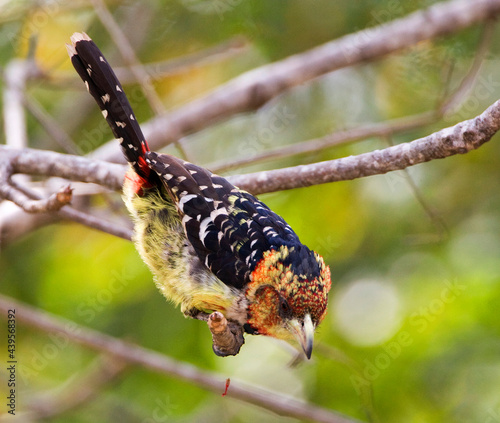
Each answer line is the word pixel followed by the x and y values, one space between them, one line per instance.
pixel 435 218
pixel 50 125
pixel 158 70
pixel 128 55
pixel 16 75
pixel 78 216
pixel 50 204
pixel 459 139
pixel 454 100
pixel 338 138
pixel 134 64
pixel 365 391
pixel 9 191
pixel 135 354
pixel 97 223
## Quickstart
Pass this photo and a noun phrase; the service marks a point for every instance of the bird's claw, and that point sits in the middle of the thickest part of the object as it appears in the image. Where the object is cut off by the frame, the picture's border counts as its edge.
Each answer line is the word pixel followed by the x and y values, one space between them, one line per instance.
pixel 227 336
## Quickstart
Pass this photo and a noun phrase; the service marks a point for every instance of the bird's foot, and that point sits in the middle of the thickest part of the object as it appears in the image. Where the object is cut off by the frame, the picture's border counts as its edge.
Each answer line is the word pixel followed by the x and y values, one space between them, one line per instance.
pixel 227 336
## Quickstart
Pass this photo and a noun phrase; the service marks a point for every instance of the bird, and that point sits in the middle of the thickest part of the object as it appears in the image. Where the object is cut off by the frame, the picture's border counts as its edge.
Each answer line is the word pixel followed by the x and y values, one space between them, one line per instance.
pixel 210 246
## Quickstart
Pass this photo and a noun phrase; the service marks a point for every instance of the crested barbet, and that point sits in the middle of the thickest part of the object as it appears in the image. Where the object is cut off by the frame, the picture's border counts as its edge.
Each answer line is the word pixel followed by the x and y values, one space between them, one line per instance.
pixel 211 246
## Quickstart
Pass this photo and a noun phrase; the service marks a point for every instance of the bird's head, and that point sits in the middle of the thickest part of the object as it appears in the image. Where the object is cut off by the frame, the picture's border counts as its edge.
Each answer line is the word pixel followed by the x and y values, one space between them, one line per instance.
pixel 288 295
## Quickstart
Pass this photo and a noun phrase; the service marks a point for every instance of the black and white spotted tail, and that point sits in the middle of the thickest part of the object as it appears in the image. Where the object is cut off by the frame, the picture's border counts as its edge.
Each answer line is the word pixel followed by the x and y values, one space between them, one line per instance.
pixel 103 85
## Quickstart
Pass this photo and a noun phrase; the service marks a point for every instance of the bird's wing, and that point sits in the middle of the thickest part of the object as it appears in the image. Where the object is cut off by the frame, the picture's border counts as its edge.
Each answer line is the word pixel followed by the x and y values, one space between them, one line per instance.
pixel 229 228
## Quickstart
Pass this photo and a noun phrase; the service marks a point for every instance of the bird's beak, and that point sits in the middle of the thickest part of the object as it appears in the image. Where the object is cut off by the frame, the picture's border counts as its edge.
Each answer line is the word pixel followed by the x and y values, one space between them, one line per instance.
pixel 303 333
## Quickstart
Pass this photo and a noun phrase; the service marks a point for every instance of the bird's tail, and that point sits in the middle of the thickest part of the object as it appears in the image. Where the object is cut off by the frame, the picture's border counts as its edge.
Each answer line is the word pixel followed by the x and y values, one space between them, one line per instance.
pixel 103 85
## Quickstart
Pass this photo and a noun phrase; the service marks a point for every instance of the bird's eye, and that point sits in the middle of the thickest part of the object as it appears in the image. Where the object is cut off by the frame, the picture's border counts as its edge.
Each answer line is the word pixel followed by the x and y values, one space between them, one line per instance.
pixel 285 310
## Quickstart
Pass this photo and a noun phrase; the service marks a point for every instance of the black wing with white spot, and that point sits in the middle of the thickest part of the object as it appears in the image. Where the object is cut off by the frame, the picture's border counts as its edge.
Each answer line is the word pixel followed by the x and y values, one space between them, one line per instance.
pixel 103 85
pixel 229 228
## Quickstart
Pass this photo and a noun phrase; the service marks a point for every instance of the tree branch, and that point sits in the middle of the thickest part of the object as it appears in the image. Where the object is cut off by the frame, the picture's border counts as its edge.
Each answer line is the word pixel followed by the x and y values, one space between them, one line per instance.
pixel 254 88
pixel 12 191
pixel 48 163
pixel 16 75
pixel 381 129
pixel 459 139
pixel 236 46
pixel 135 354
pixel 128 54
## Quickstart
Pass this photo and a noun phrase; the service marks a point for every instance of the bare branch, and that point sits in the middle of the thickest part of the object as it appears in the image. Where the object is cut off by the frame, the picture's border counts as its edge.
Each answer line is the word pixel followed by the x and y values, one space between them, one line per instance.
pixel 158 70
pixel 32 202
pixel 9 191
pixel 129 55
pixel 135 354
pixel 96 223
pixel 252 89
pixel 50 125
pixel 359 43
pixel 78 216
pixel 48 163
pixel 16 74
pixel 465 85
pixel 383 129
pixel 459 139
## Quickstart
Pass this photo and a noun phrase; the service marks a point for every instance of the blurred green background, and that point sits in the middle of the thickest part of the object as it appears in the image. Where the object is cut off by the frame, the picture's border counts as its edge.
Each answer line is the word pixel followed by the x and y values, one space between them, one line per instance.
pixel 413 308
